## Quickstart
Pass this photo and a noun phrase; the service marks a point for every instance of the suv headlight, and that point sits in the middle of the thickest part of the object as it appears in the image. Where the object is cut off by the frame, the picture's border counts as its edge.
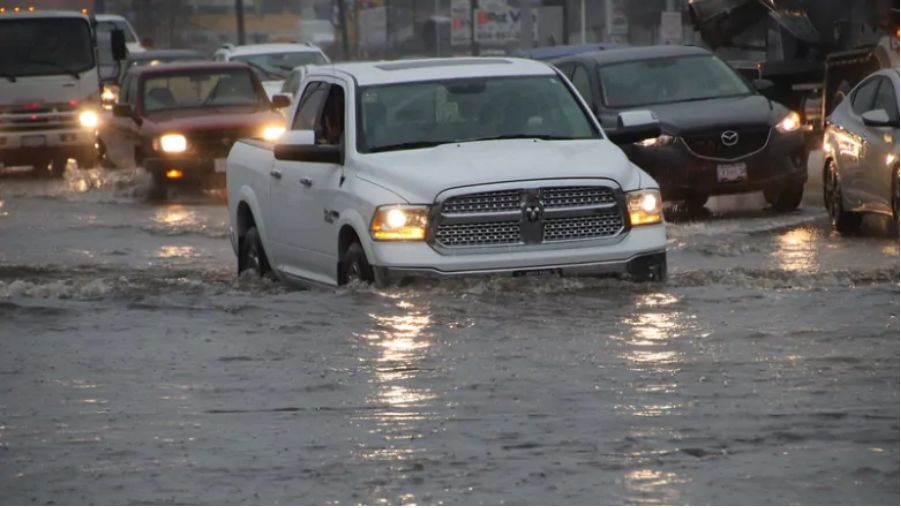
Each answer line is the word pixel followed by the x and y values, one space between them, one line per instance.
pixel 400 223
pixel 663 139
pixel 171 143
pixel 645 207
pixel 790 123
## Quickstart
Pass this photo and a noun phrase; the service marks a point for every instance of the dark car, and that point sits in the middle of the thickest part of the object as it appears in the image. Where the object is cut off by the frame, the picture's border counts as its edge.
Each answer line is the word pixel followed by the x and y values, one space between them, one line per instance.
pixel 179 121
pixel 719 134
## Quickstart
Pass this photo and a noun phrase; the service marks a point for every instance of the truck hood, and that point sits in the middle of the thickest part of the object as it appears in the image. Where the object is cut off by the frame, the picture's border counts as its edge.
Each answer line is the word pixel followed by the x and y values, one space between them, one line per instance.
pixel 188 120
pixel 420 175
pixel 56 89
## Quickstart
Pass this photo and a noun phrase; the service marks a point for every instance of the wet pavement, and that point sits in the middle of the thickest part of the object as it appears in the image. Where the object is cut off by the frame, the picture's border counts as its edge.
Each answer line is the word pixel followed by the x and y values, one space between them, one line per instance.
pixel 136 368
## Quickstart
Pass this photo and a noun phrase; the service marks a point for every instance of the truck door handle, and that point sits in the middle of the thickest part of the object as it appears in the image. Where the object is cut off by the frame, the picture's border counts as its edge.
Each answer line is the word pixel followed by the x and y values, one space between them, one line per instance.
pixel 306 182
pixel 274 173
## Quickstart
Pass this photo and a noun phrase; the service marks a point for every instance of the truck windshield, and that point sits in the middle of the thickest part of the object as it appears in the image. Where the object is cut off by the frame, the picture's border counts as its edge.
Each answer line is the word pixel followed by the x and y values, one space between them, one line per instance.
pixel 196 89
pixel 106 27
pixel 44 46
pixel 409 115
pixel 666 80
pixel 277 66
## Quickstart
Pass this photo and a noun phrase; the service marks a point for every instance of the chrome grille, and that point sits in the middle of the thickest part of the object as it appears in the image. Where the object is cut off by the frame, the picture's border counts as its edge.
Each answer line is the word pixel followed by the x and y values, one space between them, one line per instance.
pixel 473 234
pixel 528 216
pixel 582 228
pixel 484 202
pixel 561 197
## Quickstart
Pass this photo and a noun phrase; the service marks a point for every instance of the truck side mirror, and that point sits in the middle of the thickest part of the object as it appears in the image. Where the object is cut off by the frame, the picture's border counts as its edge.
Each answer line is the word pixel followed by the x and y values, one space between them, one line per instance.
pixel 122 110
pixel 117 43
pixel 300 146
pixel 634 126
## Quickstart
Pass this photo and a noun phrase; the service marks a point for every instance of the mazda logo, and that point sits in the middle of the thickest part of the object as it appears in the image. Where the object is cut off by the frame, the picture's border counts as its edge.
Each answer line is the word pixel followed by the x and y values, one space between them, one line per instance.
pixel 729 138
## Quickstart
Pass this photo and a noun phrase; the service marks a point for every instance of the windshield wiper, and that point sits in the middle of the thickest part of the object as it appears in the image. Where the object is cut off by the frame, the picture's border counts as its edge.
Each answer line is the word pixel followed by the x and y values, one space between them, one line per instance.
pixel 58 66
pixel 407 146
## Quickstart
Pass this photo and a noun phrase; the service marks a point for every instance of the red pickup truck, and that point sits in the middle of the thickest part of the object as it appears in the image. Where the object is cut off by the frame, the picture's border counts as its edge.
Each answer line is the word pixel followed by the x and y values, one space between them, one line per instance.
pixel 178 121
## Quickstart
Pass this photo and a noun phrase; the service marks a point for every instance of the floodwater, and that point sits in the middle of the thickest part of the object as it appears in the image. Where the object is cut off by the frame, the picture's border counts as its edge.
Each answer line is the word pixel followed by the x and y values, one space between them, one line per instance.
pixel 135 367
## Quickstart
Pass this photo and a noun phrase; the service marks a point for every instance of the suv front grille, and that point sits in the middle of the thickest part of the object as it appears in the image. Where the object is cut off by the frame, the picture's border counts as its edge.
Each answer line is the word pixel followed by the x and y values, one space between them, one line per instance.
pixel 217 143
pixel 528 216
pixel 711 146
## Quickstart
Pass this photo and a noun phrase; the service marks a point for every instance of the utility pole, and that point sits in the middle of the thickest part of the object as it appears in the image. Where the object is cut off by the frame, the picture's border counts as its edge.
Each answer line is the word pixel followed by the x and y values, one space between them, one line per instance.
pixel 239 15
pixel 526 29
pixel 583 14
pixel 342 20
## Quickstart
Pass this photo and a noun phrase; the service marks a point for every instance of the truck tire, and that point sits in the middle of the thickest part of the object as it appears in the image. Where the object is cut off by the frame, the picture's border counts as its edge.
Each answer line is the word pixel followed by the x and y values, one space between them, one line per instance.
pixel 652 268
pixel 786 197
pixel 58 166
pixel 159 188
pixel 251 255
pixel 355 267
pixel 846 223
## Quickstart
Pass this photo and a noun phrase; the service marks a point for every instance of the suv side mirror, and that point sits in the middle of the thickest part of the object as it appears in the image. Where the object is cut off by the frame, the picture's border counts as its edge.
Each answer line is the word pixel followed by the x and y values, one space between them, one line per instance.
pixel 763 85
pixel 117 42
pixel 300 146
pixel 280 100
pixel 122 110
pixel 876 118
pixel 634 126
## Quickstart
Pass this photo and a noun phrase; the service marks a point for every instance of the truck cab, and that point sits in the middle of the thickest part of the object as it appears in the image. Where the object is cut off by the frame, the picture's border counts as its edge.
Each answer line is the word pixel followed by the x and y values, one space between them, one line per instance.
pixel 49 89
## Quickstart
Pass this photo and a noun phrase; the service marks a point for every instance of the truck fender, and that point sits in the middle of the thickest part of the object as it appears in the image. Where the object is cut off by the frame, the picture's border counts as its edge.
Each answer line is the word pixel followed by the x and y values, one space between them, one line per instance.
pixel 351 217
pixel 248 196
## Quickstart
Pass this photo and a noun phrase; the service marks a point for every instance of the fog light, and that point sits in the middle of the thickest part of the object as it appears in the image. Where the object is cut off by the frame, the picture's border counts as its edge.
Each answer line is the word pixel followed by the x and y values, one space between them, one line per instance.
pixel 174 174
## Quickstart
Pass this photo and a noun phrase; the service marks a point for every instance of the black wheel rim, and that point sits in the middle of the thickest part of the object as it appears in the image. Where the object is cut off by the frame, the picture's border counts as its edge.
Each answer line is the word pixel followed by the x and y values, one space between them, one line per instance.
pixel 253 259
pixel 354 271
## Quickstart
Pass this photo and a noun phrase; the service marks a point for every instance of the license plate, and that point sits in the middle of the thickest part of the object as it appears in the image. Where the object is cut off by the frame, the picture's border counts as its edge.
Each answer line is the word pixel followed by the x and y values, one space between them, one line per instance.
pixel 732 172
pixel 32 141
pixel 219 165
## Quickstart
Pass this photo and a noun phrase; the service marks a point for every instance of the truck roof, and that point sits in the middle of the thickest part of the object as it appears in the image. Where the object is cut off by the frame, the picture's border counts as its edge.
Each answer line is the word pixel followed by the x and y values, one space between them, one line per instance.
pixel 262 49
pixel 405 71
pixel 42 15
pixel 189 66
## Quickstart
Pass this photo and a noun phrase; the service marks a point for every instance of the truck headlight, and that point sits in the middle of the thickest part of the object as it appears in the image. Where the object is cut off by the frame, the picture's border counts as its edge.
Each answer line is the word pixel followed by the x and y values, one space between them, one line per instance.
pixel 399 223
pixel 88 119
pixel 645 207
pixel 663 139
pixel 173 143
pixel 790 123
pixel 272 132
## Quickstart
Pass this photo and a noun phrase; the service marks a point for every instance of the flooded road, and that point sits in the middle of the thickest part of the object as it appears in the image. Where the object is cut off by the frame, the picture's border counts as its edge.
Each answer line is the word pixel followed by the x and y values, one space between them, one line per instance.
pixel 136 368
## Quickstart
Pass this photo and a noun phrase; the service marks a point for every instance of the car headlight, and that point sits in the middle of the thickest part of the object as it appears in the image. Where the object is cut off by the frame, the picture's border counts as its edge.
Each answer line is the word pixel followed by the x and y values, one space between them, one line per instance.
pixel 88 119
pixel 400 222
pixel 645 207
pixel 110 95
pixel 663 139
pixel 790 123
pixel 273 132
pixel 173 143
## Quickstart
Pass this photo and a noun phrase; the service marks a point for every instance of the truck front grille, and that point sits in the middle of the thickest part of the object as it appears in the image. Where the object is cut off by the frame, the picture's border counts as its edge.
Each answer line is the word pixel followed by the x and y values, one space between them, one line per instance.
pixel 528 216
pixel 38 120
pixel 217 143
pixel 711 145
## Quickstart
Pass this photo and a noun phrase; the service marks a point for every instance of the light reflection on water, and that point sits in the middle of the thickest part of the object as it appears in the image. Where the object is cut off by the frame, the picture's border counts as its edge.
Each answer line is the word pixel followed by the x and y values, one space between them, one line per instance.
pixel 176 215
pixel 401 341
pixel 797 250
pixel 649 486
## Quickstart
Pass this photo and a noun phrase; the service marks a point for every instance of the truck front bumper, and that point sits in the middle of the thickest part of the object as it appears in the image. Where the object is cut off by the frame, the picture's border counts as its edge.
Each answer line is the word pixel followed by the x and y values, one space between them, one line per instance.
pixel 394 260
pixel 19 148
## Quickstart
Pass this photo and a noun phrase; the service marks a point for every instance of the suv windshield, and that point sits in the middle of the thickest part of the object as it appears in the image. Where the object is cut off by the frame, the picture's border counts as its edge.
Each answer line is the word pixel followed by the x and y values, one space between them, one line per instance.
pixel 40 47
pixel 673 79
pixel 408 115
pixel 277 66
pixel 200 90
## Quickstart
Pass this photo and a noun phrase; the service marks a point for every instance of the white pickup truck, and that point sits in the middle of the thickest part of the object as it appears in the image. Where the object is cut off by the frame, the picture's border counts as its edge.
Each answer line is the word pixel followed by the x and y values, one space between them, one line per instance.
pixel 444 167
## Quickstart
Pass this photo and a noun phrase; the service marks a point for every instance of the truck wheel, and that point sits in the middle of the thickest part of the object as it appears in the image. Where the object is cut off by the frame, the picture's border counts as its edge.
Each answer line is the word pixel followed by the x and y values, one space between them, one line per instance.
pixel 785 198
pixel 846 223
pixel 159 188
pixel 651 268
pixel 251 256
pixel 355 267
pixel 58 166
pixel 695 202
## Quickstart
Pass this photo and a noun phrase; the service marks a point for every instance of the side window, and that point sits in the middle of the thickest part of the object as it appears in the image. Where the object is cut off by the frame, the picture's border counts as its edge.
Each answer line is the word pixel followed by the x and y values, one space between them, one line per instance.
pixel 862 101
pixel 310 106
pixel 885 99
pixel 582 83
pixel 330 130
